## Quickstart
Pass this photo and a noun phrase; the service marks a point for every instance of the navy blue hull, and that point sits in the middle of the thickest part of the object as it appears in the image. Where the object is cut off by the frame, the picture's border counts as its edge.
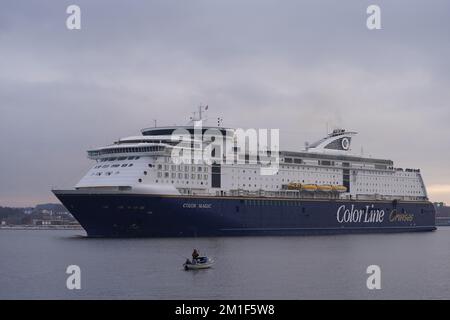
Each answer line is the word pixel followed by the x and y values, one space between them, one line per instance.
pixel 132 215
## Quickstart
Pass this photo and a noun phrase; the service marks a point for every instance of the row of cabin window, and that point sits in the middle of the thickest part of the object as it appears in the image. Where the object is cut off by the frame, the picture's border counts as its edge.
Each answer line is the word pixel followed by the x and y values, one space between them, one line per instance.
pixel 288 172
pixel 119 159
pixel 114 166
pixel 108 173
pixel 251 186
pixel 411 186
pixel 319 162
pixel 182 168
pixel 126 150
pixel 173 182
pixel 180 175
pixel 375 190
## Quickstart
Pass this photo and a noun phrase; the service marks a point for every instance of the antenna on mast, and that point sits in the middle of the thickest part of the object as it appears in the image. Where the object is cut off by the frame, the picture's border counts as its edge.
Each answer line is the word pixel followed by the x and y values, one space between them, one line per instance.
pixel 200 109
pixel 198 116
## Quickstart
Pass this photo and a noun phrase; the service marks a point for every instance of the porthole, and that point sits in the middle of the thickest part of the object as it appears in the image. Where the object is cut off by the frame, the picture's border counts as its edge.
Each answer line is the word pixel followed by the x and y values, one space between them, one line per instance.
pixel 140 180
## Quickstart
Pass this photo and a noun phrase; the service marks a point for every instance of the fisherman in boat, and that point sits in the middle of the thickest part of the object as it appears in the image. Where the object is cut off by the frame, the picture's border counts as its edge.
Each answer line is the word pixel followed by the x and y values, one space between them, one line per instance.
pixel 198 262
pixel 195 254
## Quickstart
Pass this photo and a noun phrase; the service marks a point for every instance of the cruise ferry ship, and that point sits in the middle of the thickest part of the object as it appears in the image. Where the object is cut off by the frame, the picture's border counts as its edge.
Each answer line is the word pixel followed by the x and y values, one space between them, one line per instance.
pixel 139 187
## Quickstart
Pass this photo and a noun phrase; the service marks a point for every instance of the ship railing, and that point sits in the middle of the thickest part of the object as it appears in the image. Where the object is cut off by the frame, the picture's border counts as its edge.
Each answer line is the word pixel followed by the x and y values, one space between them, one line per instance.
pixel 386 197
pixel 298 194
pixel 291 194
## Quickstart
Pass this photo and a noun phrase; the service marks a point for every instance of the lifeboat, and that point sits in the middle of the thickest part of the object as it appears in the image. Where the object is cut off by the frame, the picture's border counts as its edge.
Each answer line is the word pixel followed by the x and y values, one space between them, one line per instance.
pixel 339 188
pixel 325 188
pixel 309 187
pixel 294 186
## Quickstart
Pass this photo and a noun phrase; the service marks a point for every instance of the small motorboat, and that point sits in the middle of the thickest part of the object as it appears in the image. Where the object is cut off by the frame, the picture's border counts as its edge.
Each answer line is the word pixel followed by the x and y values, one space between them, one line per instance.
pixel 198 263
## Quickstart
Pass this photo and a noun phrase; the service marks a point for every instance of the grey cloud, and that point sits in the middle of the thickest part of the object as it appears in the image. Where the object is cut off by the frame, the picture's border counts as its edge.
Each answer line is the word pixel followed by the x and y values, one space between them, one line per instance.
pixel 294 65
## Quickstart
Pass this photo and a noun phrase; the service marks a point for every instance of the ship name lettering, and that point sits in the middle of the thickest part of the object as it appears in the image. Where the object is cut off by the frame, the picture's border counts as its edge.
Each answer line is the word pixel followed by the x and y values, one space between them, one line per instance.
pixel 195 205
pixel 352 215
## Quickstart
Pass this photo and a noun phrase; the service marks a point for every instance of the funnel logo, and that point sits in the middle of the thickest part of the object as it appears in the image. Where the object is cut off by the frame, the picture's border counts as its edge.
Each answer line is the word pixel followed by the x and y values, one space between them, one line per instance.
pixel 345 143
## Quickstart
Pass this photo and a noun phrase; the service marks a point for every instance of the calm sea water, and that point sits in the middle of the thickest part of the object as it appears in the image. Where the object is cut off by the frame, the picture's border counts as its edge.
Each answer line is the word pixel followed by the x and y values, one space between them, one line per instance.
pixel 413 266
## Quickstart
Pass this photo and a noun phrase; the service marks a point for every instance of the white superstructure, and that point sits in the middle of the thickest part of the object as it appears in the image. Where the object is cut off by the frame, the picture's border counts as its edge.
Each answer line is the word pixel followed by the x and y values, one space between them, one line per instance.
pixel 144 164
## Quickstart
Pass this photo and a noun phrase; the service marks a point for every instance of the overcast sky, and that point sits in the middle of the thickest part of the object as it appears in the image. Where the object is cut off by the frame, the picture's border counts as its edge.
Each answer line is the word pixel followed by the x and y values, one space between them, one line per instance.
pixel 293 65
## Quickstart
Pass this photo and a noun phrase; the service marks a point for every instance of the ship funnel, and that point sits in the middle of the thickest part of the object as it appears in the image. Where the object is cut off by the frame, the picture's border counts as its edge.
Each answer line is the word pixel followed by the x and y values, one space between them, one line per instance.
pixel 337 140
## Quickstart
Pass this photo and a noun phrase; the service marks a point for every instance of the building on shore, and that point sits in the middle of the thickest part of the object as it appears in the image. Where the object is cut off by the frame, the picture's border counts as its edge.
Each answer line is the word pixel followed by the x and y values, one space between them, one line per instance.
pixel 442 214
